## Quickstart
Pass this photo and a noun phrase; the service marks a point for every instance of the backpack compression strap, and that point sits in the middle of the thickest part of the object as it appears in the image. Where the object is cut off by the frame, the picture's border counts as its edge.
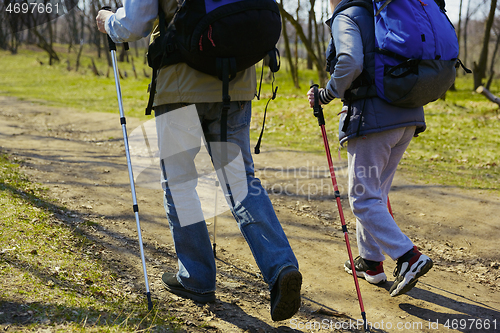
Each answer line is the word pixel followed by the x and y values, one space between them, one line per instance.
pixel 156 66
pixel 161 53
pixel 226 69
pixel 274 66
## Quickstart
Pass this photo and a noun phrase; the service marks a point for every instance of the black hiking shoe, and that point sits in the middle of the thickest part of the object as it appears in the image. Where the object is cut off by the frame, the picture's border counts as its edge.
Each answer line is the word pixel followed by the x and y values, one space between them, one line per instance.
pixel 170 282
pixel 409 268
pixel 285 294
pixel 372 272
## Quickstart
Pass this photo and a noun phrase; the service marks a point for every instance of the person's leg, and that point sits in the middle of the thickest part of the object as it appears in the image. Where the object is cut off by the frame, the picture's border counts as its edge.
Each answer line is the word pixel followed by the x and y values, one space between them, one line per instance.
pixel 373 160
pixel 397 152
pixel 254 212
pixel 179 140
pixel 412 264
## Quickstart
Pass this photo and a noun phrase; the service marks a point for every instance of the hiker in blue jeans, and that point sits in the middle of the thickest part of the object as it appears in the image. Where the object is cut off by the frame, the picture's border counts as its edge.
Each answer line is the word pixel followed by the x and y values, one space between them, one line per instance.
pixel 179 86
pixel 377 135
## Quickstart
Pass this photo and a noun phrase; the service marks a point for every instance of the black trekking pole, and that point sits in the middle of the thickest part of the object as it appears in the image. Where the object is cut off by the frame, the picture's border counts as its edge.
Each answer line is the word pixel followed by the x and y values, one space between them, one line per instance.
pixel 215 220
pixel 112 49
pixel 318 113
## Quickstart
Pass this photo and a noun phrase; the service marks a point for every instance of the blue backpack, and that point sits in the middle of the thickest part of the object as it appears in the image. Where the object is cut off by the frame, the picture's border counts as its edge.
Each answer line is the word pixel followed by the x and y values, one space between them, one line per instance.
pixel 416 52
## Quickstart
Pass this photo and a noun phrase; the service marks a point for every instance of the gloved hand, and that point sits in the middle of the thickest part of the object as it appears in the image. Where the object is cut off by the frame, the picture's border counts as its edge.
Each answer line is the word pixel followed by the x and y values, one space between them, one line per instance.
pixel 310 96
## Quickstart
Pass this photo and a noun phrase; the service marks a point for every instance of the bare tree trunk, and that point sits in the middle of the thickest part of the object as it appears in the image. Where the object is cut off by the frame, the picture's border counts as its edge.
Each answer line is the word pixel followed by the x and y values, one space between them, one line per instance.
pixel 54 30
pixel 4 44
pixel 123 54
pixel 297 39
pixel 459 31
pixel 466 25
pixel 94 68
pixel 136 48
pixel 488 94
pixel 14 43
pixel 307 44
pixel 468 15
pixel 12 26
pixel 46 46
pixel 296 52
pixel 493 60
pixel 72 28
pixel 317 40
pixel 309 35
pixel 31 38
pixel 480 67
pixel 133 67
pixel 108 55
pixel 78 56
pixel 324 38
pixel 293 69
pixel 98 45
pixel 96 38
pixel 51 42
pixel 82 22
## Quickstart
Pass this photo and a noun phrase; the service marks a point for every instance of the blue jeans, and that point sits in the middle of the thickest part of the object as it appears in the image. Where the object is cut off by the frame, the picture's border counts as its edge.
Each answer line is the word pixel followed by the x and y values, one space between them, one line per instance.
pixel 253 212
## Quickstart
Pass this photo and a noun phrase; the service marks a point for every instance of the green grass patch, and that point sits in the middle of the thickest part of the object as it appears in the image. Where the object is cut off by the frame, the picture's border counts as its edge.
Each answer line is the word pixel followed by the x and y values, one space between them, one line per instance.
pixel 460 147
pixel 290 122
pixel 51 274
pixel 26 75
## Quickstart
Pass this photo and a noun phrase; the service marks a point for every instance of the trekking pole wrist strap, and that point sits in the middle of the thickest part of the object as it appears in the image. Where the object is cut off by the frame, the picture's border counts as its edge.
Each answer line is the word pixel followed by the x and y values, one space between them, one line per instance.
pixel 318 110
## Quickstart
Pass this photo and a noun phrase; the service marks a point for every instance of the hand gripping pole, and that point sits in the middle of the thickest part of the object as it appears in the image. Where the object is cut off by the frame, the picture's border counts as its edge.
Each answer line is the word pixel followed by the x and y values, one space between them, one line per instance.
pixel 318 113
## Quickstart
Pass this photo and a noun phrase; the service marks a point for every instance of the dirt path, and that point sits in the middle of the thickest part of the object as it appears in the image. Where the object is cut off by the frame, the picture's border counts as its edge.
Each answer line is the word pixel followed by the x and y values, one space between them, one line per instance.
pixel 80 158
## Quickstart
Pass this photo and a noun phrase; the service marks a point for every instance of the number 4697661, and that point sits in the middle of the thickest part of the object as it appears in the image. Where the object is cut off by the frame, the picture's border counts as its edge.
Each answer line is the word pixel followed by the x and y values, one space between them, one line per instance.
pixel 471 323
pixel 34 7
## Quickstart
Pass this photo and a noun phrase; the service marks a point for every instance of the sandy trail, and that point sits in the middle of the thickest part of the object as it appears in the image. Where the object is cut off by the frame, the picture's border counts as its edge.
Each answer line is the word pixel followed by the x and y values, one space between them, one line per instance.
pixel 80 158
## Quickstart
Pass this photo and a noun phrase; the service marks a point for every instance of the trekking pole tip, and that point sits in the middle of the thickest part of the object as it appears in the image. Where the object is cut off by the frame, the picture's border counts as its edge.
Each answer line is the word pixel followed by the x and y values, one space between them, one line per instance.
pixel 365 322
pixel 150 303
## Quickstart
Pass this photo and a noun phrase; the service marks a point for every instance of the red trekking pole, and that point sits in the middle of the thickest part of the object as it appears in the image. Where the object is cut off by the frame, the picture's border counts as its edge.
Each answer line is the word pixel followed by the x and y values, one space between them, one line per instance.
pixel 389 207
pixel 318 113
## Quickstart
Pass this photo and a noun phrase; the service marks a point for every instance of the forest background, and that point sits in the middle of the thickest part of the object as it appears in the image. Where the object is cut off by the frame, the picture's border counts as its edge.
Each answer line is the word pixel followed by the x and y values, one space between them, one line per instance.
pixel 65 64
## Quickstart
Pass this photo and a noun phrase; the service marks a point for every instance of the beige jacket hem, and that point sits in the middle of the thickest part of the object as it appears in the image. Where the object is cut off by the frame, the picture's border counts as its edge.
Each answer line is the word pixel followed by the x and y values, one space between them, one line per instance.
pixel 180 83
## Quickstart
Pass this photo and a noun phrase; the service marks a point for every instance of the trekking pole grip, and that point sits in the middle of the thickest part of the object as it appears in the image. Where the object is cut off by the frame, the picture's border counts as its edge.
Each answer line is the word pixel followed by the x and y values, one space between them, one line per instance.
pixel 111 44
pixel 318 110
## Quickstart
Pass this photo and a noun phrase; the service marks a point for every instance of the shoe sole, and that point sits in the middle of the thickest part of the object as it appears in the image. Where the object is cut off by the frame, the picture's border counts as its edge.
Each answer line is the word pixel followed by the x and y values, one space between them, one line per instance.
pixel 411 278
pixel 200 298
pixel 288 302
pixel 373 279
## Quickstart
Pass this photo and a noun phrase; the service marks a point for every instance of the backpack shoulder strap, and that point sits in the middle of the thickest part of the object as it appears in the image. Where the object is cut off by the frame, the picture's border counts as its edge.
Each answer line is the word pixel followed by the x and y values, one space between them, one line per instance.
pixel 363 86
pixel 157 49
pixel 343 5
